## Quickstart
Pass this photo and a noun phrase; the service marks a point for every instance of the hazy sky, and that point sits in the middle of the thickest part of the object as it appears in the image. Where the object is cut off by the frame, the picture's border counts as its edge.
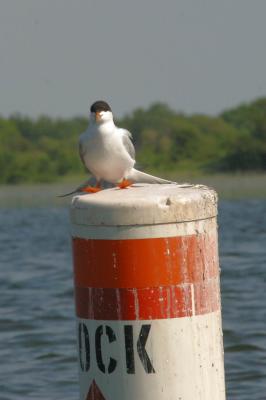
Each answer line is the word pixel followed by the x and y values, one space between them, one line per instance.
pixel 58 56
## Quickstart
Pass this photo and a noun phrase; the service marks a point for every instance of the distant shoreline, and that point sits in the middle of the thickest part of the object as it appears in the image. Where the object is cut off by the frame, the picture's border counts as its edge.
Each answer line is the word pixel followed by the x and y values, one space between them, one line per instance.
pixel 228 186
pixel 45 149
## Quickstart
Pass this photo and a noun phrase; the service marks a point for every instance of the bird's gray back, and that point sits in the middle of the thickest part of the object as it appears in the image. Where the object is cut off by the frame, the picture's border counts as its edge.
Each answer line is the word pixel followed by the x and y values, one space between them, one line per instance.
pixel 126 138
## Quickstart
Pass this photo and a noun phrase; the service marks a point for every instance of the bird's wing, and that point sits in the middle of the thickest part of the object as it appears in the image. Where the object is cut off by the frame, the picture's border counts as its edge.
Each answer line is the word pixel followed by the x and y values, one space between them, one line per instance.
pixel 81 150
pixel 141 177
pixel 126 138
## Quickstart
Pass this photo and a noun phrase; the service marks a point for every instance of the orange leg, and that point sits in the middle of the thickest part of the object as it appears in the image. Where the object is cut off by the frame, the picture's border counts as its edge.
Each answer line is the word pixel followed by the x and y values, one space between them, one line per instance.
pixel 125 184
pixel 92 189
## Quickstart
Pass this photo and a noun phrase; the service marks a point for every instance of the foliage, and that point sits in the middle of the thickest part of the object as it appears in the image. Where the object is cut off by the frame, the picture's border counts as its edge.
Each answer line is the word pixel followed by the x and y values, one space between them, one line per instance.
pixel 45 149
pixel 249 152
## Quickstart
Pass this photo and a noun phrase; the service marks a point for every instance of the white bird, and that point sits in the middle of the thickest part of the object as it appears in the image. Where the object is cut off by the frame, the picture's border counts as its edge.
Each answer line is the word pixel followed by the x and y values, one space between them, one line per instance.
pixel 108 152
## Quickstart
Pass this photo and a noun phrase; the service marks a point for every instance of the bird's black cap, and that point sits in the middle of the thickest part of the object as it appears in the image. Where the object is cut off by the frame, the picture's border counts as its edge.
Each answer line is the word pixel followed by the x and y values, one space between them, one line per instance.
pixel 99 106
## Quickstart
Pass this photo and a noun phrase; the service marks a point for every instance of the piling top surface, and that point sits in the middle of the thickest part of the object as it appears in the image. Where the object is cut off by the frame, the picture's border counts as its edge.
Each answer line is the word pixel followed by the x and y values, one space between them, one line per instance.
pixel 144 204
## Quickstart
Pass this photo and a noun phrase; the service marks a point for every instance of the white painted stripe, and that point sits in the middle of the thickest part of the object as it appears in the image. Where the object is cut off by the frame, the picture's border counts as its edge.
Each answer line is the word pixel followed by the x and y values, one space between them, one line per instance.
pixel 144 231
pixel 192 298
pixel 186 354
pixel 144 204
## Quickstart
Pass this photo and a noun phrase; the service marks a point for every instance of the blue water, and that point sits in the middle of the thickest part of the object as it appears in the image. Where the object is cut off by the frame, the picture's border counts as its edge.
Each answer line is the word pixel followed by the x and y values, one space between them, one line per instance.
pixel 243 264
pixel 37 323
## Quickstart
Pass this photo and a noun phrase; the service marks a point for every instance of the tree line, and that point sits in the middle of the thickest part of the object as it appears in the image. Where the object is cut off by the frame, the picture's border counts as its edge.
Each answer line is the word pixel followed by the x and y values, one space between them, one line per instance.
pixel 45 149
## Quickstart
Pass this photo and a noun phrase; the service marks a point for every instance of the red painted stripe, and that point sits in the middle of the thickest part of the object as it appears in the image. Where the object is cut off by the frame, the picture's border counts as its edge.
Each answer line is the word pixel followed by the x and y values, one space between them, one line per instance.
pixel 147 303
pixel 142 263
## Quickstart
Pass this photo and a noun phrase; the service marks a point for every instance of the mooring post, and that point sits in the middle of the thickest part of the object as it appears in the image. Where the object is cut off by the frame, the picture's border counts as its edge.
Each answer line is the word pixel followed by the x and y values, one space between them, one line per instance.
pixel 147 294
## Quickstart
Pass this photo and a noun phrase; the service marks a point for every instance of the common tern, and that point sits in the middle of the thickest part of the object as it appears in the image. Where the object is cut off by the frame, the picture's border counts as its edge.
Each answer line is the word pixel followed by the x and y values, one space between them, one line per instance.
pixel 108 152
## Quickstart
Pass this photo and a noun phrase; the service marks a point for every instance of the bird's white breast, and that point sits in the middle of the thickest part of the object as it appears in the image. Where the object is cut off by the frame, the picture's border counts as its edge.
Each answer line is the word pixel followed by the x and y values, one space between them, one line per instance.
pixel 104 153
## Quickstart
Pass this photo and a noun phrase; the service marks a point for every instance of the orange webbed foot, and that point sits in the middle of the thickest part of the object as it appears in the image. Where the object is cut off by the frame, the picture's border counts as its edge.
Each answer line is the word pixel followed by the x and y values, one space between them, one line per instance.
pixel 125 184
pixel 91 189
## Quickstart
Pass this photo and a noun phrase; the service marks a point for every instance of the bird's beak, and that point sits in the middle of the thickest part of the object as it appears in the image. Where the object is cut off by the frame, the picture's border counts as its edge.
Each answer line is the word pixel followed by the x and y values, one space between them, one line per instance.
pixel 97 116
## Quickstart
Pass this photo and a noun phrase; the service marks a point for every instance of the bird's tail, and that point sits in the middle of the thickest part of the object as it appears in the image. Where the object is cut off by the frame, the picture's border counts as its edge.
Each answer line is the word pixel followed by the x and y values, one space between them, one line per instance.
pixel 90 182
pixel 78 189
pixel 140 177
